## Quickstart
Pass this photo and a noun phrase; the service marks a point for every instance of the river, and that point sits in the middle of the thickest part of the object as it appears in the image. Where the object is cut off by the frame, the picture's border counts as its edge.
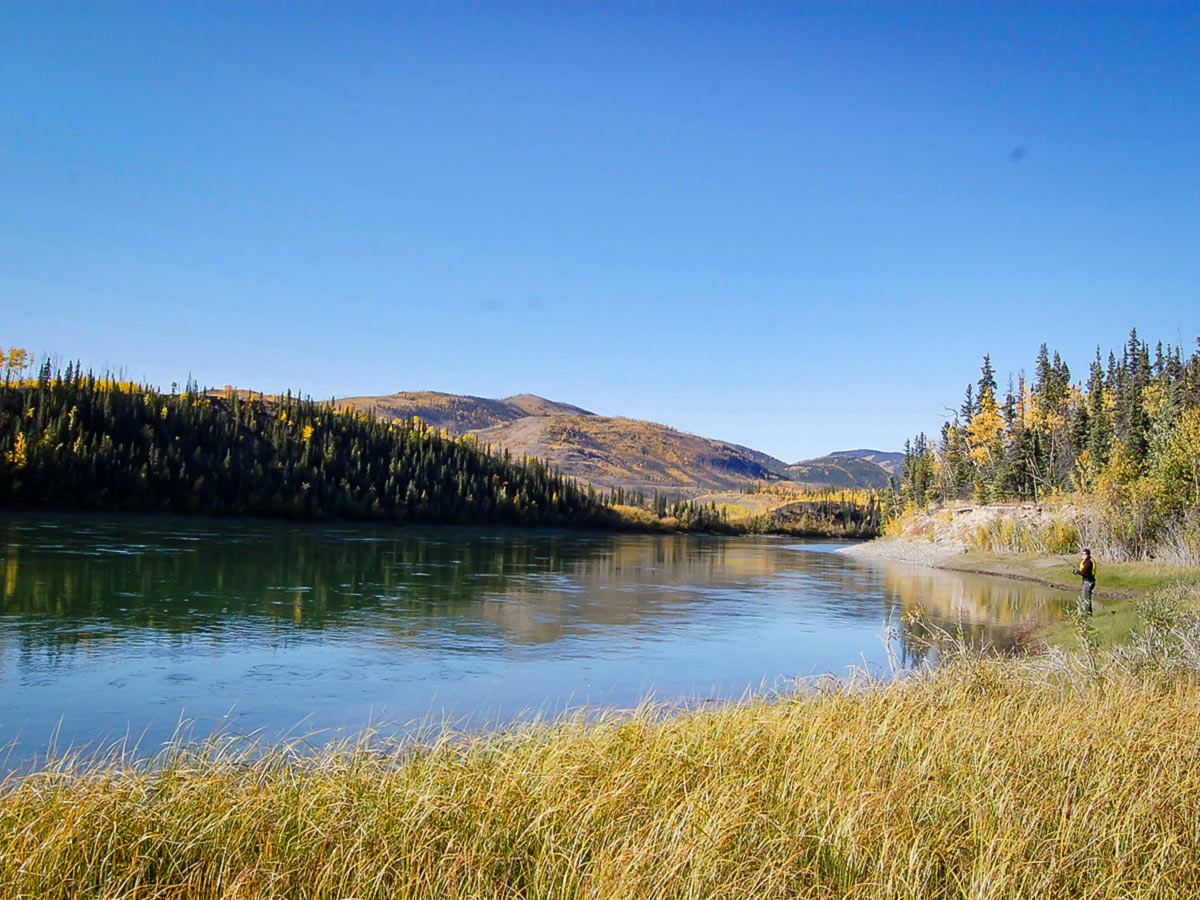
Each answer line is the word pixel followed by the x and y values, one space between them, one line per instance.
pixel 128 626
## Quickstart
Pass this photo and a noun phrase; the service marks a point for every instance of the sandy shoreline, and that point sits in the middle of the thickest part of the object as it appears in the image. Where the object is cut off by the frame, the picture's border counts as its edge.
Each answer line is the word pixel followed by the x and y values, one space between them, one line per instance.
pixel 954 556
pixel 921 552
pixel 939 537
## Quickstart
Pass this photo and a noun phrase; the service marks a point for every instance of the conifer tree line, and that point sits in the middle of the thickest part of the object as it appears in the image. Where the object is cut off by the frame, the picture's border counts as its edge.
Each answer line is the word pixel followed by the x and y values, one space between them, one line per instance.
pixel 1126 434
pixel 691 515
pixel 840 514
pixel 72 440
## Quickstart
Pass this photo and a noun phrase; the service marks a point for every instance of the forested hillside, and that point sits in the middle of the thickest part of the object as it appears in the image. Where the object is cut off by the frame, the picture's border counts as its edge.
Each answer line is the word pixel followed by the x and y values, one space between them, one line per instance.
pixel 72 440
pixel 1126 438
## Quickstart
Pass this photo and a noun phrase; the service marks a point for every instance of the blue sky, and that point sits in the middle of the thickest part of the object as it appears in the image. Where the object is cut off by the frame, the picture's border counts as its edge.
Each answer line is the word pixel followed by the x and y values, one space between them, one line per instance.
pixel 798 227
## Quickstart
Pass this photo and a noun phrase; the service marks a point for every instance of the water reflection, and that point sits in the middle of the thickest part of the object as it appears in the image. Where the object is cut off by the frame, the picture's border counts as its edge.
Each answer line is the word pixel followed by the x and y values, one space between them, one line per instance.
pixel 181 578
pixel 117 623
pixel 982 611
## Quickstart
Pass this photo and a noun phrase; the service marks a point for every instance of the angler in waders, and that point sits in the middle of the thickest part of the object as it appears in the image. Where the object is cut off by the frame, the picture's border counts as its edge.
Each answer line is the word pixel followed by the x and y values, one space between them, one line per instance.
pixel 1087 571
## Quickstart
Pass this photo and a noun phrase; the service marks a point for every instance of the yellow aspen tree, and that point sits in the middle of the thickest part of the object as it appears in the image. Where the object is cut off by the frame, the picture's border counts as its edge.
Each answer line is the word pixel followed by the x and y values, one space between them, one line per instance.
pixel 16 362
pixel 18 456
pixel 986 429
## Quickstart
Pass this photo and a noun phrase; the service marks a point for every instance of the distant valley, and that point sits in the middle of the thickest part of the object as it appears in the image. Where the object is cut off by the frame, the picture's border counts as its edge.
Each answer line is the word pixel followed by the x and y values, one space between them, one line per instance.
pixel 634 454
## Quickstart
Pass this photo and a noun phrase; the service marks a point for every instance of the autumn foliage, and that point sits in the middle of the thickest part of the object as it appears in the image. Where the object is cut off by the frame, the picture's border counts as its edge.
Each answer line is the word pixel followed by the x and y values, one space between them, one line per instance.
pixel 1126 441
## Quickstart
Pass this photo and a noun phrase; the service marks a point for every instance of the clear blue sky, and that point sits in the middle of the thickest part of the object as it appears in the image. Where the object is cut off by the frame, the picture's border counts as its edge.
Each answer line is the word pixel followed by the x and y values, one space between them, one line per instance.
pixel 797 227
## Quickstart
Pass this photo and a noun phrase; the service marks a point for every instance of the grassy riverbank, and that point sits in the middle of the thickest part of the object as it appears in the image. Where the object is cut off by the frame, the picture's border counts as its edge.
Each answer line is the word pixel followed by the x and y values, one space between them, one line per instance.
pixel 1032 543
pixel 1121 584
pixel 1052 776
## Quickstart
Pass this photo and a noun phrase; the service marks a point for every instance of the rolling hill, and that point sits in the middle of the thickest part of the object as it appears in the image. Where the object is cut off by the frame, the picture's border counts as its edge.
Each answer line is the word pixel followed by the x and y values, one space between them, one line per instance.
pixel 841 470
pixel 889 461
pixel 606 451
pixel 633 453
pixel 460 414
pixel 611 451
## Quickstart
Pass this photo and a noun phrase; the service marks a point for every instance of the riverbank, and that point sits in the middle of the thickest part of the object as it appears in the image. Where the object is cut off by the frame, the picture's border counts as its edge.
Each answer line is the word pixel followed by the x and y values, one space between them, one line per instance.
pixel 941 539
pixel 986 778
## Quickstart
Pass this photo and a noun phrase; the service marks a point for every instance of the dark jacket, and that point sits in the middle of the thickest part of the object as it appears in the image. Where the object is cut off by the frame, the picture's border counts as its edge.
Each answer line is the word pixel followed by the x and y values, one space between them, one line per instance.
pixel 1087 569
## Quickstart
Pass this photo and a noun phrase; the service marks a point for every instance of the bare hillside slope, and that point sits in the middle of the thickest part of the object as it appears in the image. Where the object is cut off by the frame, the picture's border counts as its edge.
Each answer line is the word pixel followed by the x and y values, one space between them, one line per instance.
pixel 609 451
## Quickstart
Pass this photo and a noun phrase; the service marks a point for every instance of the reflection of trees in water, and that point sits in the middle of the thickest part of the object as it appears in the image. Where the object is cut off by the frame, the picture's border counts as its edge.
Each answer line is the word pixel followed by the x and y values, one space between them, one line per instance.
pixel 932 606
pixel 625 580
pixel 77 580
pixel 70 582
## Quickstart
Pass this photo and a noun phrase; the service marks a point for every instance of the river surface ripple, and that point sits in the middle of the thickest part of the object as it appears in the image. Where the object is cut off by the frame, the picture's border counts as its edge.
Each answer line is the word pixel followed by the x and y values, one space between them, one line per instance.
pixel 113 626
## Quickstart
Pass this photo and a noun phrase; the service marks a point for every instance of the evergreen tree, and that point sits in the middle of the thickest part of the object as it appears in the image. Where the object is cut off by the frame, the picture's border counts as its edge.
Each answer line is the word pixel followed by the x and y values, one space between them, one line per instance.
pixel 75 441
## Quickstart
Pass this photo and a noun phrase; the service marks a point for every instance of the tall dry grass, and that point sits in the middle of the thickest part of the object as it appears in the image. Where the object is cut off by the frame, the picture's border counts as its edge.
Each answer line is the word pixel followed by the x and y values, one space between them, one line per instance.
pixel 1007 535
pixel 986 779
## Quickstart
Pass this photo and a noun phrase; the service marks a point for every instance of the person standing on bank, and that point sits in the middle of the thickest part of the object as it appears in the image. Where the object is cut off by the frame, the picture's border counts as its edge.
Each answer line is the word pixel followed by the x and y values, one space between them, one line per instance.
pixel 1087 571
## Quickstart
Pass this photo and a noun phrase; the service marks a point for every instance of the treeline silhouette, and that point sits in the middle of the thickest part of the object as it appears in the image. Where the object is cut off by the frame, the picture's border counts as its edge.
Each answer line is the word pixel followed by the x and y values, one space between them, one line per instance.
pixel 72 440
pixel 848 515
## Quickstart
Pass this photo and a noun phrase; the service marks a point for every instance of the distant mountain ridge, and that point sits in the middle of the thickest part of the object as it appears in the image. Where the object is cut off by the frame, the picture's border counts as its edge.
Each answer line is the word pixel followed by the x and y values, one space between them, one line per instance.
pixel 612 451
pixel 840 470
pixel 885 460
pixel 633 453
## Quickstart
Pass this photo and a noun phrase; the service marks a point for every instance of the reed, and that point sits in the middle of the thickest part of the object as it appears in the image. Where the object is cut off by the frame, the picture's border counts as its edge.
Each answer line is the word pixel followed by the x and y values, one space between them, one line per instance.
pixel 988 778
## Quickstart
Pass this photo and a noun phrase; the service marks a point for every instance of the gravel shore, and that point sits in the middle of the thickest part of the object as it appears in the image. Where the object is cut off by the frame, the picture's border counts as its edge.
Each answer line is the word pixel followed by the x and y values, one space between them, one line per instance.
pixel 919 552
pixel 933 537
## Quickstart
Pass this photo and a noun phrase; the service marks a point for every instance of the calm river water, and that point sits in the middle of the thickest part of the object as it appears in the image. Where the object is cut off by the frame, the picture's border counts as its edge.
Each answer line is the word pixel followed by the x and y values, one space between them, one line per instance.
pixel 111 626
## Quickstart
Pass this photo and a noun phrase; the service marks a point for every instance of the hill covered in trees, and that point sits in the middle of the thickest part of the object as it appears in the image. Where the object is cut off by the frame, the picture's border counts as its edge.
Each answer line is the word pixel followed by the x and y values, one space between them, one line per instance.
pixel 74 441
pixel 1125 439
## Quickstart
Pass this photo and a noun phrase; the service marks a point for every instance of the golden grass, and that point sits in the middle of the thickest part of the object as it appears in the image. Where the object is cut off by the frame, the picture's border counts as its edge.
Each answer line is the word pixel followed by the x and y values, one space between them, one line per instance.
pixel 1003 535
pixel 986 779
